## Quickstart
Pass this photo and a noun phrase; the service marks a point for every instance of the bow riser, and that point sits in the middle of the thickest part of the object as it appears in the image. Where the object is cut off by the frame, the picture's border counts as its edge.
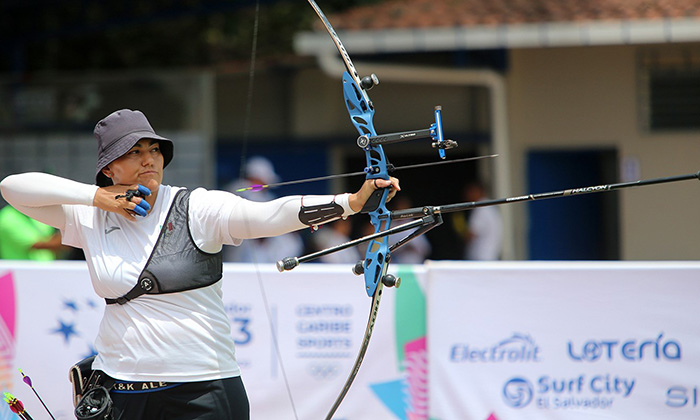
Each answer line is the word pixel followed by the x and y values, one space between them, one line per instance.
pixel 361 115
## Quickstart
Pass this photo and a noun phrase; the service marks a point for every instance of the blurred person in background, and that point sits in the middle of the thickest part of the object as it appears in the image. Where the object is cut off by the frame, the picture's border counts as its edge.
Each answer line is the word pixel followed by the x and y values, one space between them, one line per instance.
pixel 23 238
pixel 333 234
pixel 260 171
pixel 154 253
pixel 483 233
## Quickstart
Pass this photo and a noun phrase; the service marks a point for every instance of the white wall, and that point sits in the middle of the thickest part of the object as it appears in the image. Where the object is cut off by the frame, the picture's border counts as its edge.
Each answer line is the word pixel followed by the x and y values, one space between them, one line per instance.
pixel 587 97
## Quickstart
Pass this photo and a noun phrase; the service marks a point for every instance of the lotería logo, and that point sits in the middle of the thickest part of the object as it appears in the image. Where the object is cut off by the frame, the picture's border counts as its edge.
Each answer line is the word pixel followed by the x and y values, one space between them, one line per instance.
pixel 517 348
pixel 517 392
pixel 629 349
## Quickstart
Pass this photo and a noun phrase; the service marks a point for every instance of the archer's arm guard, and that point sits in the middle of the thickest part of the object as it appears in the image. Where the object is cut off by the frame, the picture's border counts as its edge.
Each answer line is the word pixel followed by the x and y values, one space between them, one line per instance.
pixel 318 214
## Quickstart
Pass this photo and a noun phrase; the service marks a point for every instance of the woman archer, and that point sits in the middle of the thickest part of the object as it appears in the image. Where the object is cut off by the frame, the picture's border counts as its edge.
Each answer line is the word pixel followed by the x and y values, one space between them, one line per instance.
pixel 153 252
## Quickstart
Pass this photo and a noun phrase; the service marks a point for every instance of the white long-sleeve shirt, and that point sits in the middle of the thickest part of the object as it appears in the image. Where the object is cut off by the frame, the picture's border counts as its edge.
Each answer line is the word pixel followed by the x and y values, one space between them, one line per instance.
pixel 178 337
pixel 487 228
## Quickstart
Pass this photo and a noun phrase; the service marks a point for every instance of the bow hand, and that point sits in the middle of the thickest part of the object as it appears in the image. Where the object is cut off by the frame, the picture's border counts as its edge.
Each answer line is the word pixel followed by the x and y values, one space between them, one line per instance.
pixel 370 189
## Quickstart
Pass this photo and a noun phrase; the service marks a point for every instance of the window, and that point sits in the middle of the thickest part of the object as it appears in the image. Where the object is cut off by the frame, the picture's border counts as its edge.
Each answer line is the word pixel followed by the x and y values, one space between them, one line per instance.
pixel 670 89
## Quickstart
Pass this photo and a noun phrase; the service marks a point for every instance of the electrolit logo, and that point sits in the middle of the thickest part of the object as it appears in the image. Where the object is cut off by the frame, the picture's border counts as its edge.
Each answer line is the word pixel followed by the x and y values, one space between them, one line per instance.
pixel 518 348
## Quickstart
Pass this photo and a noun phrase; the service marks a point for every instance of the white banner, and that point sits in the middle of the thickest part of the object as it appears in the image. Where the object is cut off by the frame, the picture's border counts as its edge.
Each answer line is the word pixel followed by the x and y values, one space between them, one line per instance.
pixel 565 340
pixel 49 317
pixel 507 340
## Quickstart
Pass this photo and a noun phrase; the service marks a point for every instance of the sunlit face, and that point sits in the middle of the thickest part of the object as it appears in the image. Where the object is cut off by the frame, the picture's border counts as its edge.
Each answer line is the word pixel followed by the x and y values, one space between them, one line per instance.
pixel 144 161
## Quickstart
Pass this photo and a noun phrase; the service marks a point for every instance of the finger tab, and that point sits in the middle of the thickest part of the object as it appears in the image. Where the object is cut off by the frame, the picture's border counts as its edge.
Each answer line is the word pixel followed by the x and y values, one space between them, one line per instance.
pixel 143 190
pixel 144 204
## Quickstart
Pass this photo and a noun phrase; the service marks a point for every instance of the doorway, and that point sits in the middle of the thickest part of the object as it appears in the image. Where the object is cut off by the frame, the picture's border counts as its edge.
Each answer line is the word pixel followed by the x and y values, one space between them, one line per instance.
pixel 584 227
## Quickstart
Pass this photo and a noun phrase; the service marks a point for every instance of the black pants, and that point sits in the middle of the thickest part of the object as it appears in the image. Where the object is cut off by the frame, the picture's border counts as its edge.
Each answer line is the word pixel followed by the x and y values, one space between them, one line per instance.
pixel 209 400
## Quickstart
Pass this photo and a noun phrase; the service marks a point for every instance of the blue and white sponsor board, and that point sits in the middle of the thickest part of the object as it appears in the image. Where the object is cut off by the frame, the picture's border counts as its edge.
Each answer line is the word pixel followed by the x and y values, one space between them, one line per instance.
pixel 564 340
pixel 506 340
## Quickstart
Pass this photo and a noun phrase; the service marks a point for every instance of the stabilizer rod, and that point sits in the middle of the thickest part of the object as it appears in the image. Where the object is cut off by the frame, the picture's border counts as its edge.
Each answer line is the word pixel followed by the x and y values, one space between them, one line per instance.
pixel 289 263
pixel 430 215
pixel 412 213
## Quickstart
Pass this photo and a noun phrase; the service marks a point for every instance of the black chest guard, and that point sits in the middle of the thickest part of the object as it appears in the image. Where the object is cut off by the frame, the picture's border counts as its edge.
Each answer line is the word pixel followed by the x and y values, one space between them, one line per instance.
pixel 176 263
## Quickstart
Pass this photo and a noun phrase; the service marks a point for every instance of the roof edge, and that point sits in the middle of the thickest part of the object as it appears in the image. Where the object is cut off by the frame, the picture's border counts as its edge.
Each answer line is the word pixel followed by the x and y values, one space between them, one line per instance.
pixel 540 35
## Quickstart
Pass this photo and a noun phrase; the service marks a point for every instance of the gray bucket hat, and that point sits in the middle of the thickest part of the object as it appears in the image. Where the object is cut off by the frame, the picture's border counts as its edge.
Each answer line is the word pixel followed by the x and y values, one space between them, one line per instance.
pixel 118 133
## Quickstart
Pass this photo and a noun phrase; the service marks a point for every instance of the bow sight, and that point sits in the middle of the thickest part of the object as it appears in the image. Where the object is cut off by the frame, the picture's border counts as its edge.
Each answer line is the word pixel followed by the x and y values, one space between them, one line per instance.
pixel 433 132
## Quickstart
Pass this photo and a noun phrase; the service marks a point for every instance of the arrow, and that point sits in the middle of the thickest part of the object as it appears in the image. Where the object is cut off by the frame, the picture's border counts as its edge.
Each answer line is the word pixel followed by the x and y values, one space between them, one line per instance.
pixel 327 177
pixel 27 380
pixel 16 406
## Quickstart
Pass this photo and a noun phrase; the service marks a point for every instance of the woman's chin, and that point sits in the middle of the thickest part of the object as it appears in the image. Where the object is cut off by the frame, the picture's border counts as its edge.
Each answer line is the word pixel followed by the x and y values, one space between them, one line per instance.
pixel 150 182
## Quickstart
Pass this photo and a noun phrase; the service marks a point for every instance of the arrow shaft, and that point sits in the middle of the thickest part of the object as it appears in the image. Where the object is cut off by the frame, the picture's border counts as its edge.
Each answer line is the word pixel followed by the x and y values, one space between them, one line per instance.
pixel 42 403
pixel 445 162
pixel 351 174
pixel 457 207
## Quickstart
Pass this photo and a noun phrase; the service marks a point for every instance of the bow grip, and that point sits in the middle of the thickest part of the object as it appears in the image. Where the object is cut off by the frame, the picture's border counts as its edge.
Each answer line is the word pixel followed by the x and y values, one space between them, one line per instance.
pixel 373 201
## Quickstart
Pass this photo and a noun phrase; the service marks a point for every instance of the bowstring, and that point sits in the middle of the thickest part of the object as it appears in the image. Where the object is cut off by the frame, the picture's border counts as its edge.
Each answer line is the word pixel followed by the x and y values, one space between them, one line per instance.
pixel 251 84
pixel 244 152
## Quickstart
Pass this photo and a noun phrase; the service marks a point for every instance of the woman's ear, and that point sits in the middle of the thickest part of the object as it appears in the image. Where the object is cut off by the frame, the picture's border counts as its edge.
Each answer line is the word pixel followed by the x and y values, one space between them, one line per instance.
pixel 106 172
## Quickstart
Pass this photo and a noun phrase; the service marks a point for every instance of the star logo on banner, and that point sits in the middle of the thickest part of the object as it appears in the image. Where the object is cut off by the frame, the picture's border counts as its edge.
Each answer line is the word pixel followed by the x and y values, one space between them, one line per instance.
pixel 70 304
pixel 65 329
pixel 71 323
